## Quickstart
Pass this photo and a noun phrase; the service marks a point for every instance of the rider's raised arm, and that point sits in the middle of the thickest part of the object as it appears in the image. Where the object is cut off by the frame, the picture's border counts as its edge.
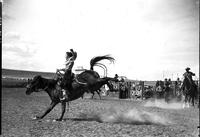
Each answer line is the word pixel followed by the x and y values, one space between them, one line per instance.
pixel 74 54
pixel 193 74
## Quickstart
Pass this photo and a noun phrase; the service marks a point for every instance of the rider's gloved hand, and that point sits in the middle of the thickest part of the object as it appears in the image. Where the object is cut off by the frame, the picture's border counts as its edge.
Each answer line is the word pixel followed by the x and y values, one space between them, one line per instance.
pixel 57 70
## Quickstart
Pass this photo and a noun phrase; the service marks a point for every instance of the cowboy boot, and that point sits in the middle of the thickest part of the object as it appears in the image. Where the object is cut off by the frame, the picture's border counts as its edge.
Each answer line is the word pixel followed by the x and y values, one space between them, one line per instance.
pixel 64 95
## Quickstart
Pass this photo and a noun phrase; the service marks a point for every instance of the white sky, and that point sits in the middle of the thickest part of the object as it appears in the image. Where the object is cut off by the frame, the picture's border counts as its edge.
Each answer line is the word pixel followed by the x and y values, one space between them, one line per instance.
pixel 148 38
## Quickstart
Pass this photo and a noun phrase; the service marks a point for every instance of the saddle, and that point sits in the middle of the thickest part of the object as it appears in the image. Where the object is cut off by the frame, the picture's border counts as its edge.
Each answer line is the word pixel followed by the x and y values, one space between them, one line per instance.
pixel 80 80
pixel 87 77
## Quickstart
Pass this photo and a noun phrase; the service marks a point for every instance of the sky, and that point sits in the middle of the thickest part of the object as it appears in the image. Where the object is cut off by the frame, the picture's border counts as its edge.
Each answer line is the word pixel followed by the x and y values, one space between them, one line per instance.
pixel 149 39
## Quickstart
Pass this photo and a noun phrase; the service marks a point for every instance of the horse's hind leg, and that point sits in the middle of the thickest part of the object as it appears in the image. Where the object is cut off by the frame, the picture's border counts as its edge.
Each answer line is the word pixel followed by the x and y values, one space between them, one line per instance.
pixel 63 107
pixel 51 106
pixel 192 101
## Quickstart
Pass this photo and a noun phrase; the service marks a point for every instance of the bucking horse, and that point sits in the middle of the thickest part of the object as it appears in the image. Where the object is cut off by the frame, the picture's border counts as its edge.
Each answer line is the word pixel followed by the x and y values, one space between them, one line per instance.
pixel 85 81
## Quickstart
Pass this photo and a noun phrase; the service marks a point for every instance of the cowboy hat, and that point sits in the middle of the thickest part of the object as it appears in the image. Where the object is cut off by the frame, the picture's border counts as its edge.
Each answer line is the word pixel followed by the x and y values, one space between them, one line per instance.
pixel 187 68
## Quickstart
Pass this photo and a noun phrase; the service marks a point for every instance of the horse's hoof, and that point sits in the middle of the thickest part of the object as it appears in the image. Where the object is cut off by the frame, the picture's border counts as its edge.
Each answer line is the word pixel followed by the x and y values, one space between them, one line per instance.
pixel 36 118
pixel 57 120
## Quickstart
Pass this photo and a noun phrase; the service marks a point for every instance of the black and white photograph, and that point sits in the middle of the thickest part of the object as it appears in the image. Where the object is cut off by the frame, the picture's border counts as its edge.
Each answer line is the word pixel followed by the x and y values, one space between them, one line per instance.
pixel 100 68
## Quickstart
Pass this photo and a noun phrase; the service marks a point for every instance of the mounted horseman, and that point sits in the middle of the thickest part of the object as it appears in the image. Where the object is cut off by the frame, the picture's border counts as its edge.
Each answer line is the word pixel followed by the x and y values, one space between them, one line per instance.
pixel 189 87
pixel 188 75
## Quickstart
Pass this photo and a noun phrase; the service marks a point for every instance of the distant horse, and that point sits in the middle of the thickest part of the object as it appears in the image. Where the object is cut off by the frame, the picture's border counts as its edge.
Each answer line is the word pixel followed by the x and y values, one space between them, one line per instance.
pixel 189 91
pixel 80 85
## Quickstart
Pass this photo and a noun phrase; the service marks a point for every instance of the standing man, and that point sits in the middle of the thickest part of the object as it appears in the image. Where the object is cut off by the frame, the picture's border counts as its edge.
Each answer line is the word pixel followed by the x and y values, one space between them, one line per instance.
pixel 166 83
pixel 177 87
pixel 170 82
pixel 167 89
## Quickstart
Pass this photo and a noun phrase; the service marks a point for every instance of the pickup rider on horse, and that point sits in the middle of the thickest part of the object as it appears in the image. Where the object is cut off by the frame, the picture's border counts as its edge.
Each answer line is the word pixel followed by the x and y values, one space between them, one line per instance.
pixel 188 74
pixel 67 77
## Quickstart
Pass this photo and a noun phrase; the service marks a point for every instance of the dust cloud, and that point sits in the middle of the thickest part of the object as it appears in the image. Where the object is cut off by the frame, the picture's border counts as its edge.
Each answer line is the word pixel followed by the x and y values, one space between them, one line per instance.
pixel 130 116
pixel 162 104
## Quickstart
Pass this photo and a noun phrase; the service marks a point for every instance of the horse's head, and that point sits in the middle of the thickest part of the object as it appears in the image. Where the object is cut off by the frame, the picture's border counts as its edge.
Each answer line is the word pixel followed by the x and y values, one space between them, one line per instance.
pixel 187 83
pixel 33 85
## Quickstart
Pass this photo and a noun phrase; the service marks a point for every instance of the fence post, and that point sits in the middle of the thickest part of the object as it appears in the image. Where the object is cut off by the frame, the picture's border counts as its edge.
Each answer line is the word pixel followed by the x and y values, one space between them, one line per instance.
pixel 142 85
pixel 174 85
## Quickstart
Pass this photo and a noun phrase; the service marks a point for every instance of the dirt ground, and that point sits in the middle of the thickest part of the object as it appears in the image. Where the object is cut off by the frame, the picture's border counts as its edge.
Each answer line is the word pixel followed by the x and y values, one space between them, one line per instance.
pixel 109 117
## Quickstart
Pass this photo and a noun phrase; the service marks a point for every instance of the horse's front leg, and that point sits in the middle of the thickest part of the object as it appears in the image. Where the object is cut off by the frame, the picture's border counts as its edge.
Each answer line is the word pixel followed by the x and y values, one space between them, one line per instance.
pixel 82 96
pixel 98 92
pixel 188 101
pixel 63 107
pixel 92 94
pixel 51 106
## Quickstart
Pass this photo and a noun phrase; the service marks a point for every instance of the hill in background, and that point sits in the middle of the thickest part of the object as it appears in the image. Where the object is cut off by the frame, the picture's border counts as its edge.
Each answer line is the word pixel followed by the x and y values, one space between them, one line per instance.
pixel 22 74
pixel 10 73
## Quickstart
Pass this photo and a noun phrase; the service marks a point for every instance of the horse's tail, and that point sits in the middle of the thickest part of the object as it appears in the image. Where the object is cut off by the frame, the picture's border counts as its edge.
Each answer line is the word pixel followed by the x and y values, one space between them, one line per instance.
pixel 95 60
